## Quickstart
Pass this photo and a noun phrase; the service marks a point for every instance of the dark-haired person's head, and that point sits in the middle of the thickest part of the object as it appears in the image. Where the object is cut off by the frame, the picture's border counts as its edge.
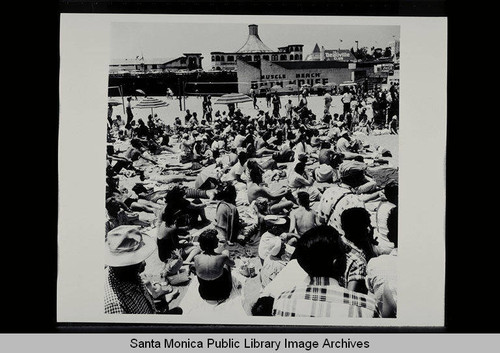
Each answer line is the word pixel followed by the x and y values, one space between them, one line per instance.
pixel 325 145
pixel 300 168
pixel 392 226
pixel 215 154
pixel 174 194
pixel 208 240
pixel 113 207
pixel 391 192
pixel 135 143
pixel 256 175
pixel 336 160
pixel 263 307
pixel 242 157
pixel 321 252
pixel 356 225
pixel 226 192
pixel 303 199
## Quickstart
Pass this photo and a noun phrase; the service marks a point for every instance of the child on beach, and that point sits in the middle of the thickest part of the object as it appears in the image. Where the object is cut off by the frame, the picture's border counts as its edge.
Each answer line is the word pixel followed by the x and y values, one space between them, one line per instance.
pixel 303 218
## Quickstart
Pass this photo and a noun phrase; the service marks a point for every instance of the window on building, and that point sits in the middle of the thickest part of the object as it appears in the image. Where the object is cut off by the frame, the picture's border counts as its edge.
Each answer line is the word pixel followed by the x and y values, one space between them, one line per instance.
pixel 265 57
pixel 222 58
pixel 256 58
pixel 274 57
pixel 217 58
pixel 291 56
pixel 297 57
pixel 282 57
pixel 230 58
pixel 154 66
pixel 213 58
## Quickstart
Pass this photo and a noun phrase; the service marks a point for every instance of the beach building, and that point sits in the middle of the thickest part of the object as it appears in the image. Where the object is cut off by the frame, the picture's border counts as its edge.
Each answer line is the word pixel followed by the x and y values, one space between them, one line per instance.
pixel 253 51
pixel 259 67
pixel 189 61
pixel 290 76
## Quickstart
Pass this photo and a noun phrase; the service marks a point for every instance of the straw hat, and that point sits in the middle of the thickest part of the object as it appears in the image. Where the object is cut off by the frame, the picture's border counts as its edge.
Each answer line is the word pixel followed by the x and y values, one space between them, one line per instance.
pixel 126 245
pixel 274 220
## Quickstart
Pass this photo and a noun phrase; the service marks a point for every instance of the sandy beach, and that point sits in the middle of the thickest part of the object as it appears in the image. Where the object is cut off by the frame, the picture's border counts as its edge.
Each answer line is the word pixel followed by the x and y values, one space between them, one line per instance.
pixel 250 288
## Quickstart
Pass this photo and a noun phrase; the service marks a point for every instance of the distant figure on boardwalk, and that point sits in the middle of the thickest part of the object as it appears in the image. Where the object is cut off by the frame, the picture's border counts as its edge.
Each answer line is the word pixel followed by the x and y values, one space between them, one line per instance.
pixel 130 115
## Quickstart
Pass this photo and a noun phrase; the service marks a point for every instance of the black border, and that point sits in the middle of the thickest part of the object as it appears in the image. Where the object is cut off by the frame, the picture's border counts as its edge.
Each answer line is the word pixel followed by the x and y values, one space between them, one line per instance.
pixel 36 310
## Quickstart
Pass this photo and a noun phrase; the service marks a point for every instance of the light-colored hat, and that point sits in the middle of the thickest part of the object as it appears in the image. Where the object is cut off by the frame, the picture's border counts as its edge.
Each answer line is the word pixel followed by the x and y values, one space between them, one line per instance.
pixel 350 168
pixel 274 220
pixel 275 250
pixel 126 245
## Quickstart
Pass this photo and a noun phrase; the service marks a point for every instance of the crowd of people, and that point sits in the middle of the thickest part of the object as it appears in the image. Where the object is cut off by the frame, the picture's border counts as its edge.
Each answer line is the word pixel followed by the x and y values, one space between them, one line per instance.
pixel 318 206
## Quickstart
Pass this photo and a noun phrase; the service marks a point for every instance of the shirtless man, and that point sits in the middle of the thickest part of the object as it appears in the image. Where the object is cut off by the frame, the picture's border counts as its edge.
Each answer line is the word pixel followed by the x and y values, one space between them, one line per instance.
pixel 303 218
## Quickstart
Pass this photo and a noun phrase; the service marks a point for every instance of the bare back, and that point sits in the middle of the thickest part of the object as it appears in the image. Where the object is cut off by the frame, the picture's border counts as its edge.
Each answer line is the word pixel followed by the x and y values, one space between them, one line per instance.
pixel 210 267
pixel 304 220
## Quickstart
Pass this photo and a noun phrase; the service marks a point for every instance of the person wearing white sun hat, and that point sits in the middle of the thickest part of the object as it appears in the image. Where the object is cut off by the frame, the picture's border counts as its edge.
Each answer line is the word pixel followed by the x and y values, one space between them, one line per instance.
pixel 126 250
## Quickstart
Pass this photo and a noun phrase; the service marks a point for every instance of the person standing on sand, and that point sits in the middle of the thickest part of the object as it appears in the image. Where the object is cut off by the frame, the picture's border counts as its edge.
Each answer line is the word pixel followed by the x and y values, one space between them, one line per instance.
pixel 268 98
pixel 110 115
pixel 130 115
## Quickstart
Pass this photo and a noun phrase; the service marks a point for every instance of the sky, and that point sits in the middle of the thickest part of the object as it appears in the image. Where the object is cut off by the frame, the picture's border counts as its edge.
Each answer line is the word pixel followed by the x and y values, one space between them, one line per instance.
pixel 171 40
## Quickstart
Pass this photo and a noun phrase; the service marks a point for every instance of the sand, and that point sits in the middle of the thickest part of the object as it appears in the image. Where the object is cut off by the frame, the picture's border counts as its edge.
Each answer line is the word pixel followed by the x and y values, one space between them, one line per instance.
pixel 194 104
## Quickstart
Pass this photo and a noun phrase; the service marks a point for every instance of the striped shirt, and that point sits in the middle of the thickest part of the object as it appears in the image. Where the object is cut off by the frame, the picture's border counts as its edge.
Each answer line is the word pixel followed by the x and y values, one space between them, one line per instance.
pixel 124 297
pixel 355 264
pixel 324 297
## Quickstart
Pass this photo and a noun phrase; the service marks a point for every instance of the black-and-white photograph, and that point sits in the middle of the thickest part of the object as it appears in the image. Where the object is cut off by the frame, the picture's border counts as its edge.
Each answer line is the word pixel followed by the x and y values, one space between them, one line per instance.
pixel 252 170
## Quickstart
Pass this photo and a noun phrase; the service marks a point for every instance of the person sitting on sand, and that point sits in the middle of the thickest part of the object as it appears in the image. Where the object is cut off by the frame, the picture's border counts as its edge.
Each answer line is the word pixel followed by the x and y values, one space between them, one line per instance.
pixel 345 194
pixel 346 144
pixel 227 220
pixel 256 189
pixel 173 238
pixel 303 218
pixel 237 170
pixel 272 238
pixel 125 292
pixel 358 237
pixel 321 254
pixel 381 272
pixel 328 163
pixel 273 264
pixel 388 202
pixel 300 180
pixel 212 269
pixel 173 227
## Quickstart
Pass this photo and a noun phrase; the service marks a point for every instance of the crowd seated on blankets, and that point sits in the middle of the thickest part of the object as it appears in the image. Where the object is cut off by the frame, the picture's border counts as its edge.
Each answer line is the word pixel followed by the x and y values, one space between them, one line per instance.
pixel 245 215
